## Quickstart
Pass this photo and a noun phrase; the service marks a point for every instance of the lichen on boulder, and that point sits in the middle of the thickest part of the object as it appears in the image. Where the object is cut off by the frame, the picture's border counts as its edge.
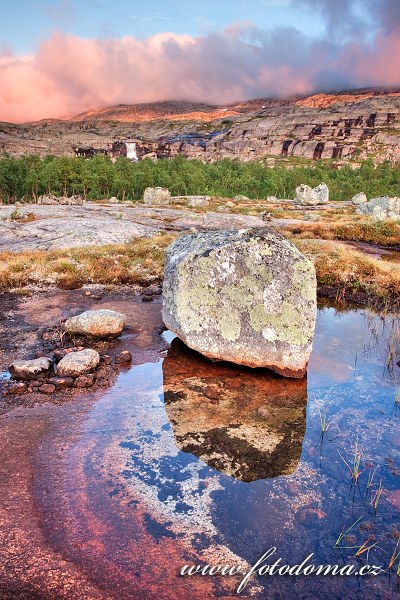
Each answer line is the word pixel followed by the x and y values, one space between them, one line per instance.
pixel 248 297
pixel 312 196
pixel 156 195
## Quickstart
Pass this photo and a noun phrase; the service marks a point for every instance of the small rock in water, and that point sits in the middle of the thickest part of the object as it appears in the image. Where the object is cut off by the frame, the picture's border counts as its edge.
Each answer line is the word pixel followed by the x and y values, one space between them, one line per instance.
pixel 106 359
pixel 78 363
pixel 248 297
pixel 124 357
pixel 96 323
pixel 30 369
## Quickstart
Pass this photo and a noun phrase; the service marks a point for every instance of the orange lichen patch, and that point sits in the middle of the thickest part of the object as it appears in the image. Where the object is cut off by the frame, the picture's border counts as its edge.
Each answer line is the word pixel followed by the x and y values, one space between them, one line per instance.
pixel 324 100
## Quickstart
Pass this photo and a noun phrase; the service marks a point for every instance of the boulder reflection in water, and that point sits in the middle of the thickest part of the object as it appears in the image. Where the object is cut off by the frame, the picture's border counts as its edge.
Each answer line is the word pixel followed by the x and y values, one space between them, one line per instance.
pixel 246 423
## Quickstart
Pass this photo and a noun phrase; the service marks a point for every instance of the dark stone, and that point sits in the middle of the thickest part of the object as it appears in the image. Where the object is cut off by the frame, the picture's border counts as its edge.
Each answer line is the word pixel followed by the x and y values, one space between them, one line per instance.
pixel 106 359
pixel 58 355
pixel 123 358
pixel 17 388
pixel 84 381
pixel 47 388
pixel 62 382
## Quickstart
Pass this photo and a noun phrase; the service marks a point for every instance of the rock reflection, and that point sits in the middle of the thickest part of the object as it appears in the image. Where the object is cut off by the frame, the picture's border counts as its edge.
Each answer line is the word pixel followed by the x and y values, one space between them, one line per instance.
pixel 248 424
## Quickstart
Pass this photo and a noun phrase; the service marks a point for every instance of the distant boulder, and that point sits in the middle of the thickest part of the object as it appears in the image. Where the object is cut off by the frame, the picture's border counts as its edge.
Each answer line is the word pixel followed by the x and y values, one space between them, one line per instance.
pixel 47 199
pixel 359 199
pixel 241 198
pixel 383 208
pixel 157 195
pixel 312 196
pixel 272 199
pixel 198 201
pixel 51 199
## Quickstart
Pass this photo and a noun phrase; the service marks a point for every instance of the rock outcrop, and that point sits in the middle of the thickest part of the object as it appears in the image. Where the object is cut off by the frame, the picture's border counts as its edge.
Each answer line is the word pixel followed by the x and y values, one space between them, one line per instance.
pixel 78 363
pixel 248 297
pixel 96 323
pixel 30 369
pixel 350 126
pixel 381 209
pixel 312 196
pixel 157 195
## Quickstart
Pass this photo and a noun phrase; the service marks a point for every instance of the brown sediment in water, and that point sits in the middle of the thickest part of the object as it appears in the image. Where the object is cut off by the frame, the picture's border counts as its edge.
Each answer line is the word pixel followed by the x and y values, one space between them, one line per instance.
pixel 68 529
pixel 247 424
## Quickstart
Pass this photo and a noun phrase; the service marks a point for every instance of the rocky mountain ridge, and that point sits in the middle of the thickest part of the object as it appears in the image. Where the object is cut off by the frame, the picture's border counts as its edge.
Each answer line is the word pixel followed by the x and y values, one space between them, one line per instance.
pixel 348 126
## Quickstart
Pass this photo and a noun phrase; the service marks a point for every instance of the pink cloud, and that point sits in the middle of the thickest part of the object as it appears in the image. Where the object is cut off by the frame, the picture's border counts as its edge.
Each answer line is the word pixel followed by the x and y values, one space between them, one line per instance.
pixel 68 74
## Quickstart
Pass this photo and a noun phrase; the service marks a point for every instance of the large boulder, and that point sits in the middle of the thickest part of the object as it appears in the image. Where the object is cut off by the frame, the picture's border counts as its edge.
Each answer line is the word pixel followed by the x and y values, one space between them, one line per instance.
pixel 248 297
pixel 30 369
pixel 383 208
pixel 77 363
pixel 157 195
pixel 312 196
pixel 96 323
pixel 359 199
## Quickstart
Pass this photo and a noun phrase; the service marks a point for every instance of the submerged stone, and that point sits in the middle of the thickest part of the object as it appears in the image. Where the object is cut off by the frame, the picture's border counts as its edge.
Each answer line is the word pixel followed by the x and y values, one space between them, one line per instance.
pixel 248 297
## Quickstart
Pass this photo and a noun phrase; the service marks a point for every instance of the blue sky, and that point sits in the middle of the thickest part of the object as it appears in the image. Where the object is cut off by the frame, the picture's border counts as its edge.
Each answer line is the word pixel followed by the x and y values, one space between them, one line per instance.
pixel 25 23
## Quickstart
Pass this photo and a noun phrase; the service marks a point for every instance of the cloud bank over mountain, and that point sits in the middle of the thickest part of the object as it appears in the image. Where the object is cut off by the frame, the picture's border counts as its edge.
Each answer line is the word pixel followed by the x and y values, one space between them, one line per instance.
pixel 68 74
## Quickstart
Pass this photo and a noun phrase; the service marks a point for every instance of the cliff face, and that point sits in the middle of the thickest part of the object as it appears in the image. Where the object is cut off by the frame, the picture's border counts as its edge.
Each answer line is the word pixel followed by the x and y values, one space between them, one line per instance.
pixel 347 126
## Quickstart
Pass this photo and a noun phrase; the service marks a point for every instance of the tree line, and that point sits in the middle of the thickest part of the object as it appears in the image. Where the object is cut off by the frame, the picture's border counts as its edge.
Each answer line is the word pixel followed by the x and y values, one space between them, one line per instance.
pixel 28 177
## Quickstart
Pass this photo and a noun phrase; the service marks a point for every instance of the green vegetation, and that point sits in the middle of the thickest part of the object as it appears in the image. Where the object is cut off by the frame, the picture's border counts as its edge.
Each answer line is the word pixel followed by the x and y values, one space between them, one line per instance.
pixel 99 178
